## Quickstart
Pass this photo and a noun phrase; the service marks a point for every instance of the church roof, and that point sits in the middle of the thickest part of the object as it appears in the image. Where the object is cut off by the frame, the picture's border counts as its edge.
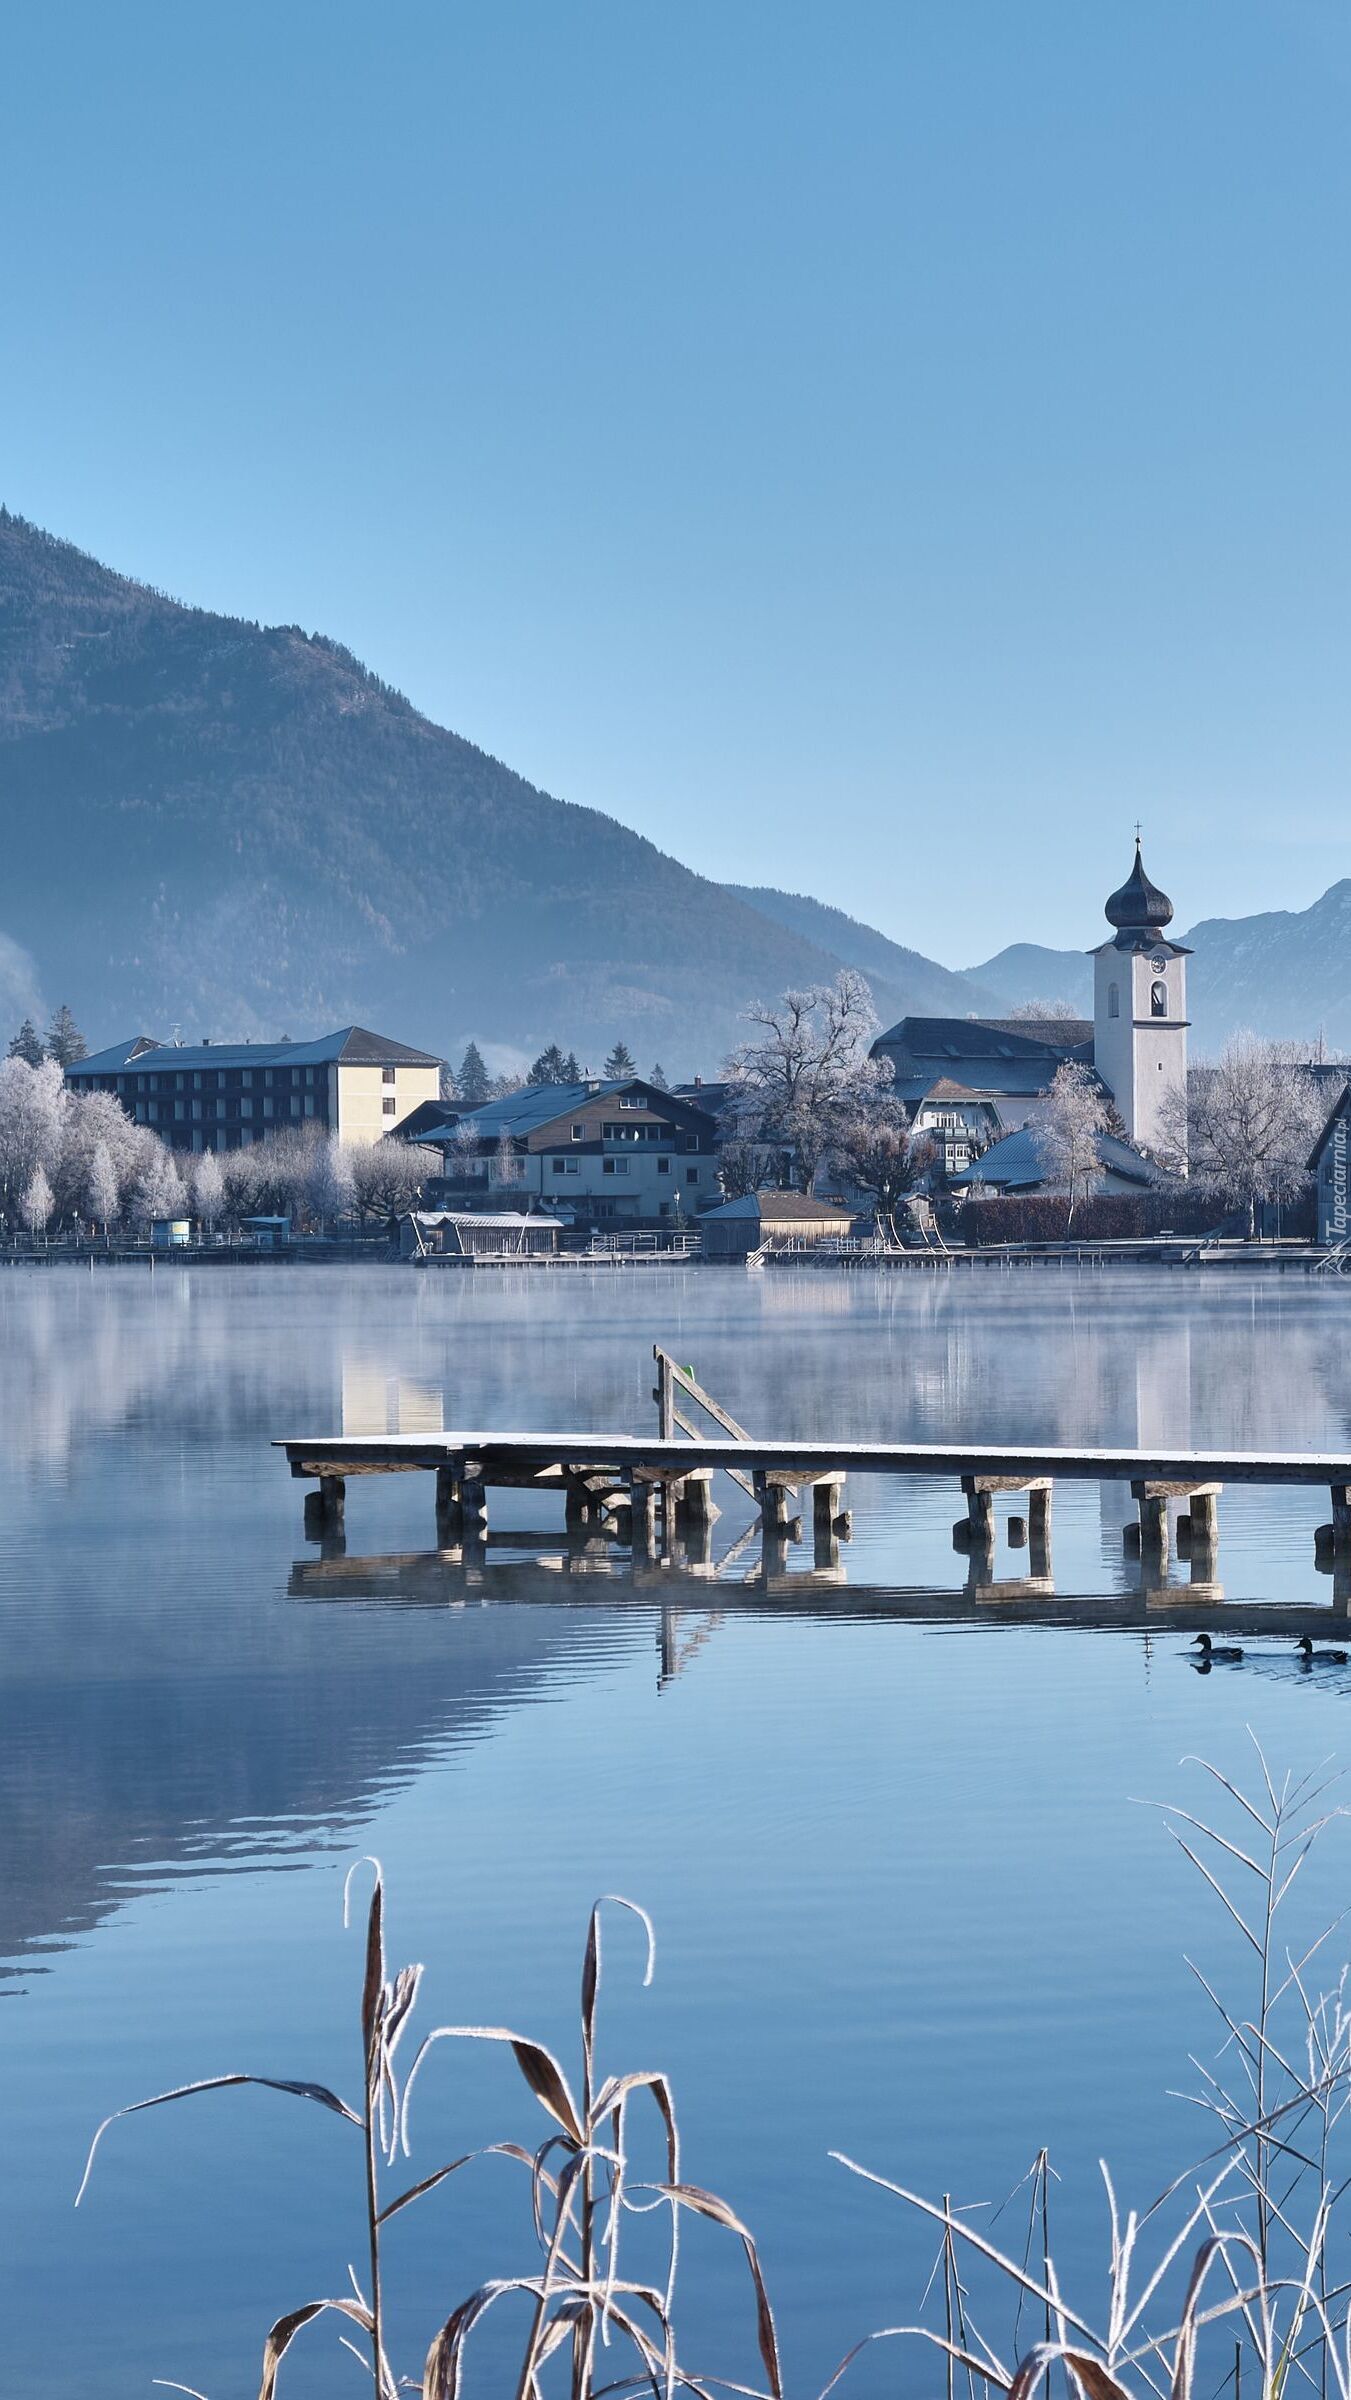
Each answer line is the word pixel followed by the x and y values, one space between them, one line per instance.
pixel 1139 905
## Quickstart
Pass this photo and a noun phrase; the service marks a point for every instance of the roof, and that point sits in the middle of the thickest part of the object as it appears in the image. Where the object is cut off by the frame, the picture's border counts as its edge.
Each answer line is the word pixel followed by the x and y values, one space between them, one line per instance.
pixel 534 1106
pixel 1015 1164
pixel 539 1221
pixel 1139 903
pixel 785 1208
pixel 1002 1057
pixel 118 1054
pixel 350 1046
pixel 946 1089
pixel 1341 1108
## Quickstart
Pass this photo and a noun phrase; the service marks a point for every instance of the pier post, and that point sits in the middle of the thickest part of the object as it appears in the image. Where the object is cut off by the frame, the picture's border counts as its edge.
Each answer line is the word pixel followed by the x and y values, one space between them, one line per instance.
pixel 449 1515
pixel 697 1506
pixel 1153 1520
pixel 825 1508
pixel 645 1517
pixel 332 1500
pixel 979 1513
pixel 773 1499
pixel 473 1495
pixel 1341 1516
pixel 1039 1515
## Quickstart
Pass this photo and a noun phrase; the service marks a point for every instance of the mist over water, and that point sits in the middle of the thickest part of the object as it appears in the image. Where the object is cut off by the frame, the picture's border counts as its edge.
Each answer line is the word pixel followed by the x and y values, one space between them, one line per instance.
pixel 906 1906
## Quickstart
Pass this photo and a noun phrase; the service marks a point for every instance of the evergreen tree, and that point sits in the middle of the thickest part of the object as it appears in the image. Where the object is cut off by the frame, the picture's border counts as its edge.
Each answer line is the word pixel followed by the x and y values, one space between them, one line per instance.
pixel 65 1042
pixel 549 1067
pixel 572 1073
pixel 27 1044
pixel 472 1080
pixel 620 1063
pixel 658 1078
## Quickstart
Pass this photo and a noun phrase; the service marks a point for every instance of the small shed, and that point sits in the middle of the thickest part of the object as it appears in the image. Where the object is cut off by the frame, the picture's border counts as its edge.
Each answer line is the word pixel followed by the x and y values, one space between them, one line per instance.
pixel 771 1220
pixel 266 1233
pixel 482 1233
pixel 170 1233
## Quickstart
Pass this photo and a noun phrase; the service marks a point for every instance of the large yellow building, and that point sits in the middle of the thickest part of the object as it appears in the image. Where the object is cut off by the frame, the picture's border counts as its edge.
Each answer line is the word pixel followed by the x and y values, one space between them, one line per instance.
pixel 225 1095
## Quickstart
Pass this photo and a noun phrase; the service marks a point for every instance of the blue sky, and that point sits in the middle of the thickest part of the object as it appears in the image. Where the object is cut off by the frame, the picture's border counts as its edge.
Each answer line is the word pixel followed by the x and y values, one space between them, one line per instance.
pixel 879 450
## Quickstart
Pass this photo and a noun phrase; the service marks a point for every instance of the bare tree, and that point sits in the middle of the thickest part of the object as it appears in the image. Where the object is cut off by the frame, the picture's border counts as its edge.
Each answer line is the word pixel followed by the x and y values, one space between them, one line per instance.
pixel 1246 1122
pixel 878 1149
pixel 807 1068
pixel 388 1177
pixel 1066 1135
pixel 745 1165
pixel 1044 1012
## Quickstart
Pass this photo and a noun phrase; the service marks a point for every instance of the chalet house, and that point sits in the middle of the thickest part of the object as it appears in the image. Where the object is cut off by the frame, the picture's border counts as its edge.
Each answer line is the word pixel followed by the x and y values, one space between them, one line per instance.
pixel 959 1122
pixel 610 1153
pixel 225 1095
pixel 1328 1165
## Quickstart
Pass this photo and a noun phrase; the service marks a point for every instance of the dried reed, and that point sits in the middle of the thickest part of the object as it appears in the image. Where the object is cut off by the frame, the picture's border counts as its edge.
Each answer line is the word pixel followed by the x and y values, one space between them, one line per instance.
pixel 1241 2243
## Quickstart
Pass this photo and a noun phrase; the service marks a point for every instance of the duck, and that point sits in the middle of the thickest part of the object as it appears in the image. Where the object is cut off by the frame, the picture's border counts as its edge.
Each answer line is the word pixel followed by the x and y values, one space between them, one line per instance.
pixel 1211 1651
pixel 1322 1658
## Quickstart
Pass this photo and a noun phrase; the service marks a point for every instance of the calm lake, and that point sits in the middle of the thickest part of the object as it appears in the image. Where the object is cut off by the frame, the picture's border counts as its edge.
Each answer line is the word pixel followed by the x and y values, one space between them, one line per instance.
pixel 907 1904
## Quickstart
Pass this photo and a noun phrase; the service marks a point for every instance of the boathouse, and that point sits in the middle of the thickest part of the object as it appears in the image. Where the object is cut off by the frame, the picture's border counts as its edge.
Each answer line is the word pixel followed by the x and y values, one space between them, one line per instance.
pixel 1329 1167
pixel 485 1233
pixel 771 1221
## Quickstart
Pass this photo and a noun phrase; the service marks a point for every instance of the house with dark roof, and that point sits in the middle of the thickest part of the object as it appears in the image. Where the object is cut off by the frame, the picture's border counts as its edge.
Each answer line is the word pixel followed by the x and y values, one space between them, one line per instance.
pixel 959 1122
pixel 772 1220
pixel 1009 1064
pixel 1016 1165
pixel 224 1095
pixel 1328 1164
pixel 611 1153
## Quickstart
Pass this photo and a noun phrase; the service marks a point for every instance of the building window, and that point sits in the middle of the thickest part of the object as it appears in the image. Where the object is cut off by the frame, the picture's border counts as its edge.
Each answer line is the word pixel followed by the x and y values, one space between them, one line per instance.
pixel 309 1104
pixel 615 1166
pixel 566 1166
pixel 1113 1000
pixel 1158 999
pixel 635 1100
pixel 691 1174
pixel 388 1107
pixel 663 1166
pixel 387 1074
pixel 579 1133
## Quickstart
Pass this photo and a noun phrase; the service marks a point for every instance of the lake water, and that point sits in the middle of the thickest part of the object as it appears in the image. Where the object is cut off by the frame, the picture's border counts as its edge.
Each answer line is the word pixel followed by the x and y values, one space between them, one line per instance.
pixel 906 1904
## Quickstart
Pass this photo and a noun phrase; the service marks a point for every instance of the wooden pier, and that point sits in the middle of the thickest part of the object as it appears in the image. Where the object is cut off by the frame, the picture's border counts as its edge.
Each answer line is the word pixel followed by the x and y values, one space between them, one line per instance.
pixel 631 1483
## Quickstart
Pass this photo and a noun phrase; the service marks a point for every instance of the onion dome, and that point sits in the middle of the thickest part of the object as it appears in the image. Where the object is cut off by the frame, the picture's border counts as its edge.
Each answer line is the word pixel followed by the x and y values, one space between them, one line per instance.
pixel 1139 905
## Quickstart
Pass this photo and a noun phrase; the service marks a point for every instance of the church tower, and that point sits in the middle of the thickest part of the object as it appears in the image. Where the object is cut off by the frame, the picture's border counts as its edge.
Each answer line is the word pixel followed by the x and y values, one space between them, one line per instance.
pixel 1140 1007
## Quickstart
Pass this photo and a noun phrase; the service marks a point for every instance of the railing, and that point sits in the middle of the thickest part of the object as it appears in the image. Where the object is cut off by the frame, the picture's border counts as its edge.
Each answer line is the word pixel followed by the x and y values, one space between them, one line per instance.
pixel 672 1378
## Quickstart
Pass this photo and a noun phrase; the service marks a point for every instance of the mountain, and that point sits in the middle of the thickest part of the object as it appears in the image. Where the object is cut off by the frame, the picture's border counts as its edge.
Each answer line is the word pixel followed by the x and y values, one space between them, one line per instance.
pixel 1026 971
pixel 236 829
pixel 1286 973
pixel 922 988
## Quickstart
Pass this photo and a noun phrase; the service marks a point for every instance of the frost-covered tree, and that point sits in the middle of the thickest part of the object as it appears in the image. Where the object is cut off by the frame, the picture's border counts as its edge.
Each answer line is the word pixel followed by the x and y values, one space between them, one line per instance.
pixel 1066 1135
pixel 208 1189
pixel 33 1108
pixel 37 1203
pixel 806 1071
pixel 1246 1123
pixel 333 1185
pixel 102 1195
pixel 388 1177
pixel 159 1190
pixel 65 1042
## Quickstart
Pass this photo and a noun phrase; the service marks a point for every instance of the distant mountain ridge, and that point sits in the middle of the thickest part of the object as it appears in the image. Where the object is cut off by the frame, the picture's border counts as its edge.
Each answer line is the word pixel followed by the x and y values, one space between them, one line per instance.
pixel 237 829
pixel 1285 975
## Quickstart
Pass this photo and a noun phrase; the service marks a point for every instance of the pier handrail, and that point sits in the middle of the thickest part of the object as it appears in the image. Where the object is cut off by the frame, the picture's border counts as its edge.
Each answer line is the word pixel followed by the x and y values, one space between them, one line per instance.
pixel 672 1418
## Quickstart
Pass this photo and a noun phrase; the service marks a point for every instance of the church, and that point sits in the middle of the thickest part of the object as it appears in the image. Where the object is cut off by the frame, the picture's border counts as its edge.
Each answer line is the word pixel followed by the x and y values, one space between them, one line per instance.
pixel 968 1079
